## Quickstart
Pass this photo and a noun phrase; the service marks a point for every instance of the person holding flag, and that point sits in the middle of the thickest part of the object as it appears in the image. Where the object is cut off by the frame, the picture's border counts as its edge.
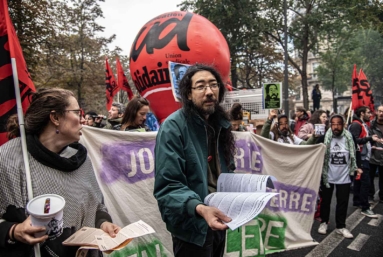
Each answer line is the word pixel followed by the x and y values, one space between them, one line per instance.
pixel 360 130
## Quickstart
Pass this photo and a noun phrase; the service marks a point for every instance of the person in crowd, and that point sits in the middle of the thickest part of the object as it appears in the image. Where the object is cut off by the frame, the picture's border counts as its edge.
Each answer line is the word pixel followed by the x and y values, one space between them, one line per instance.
pixel 58 165
pixel 281 131
pixel 307 130
pixel 364 137
pixel 193 146
pixel 89 118
pixel 135 116
pixel 340 162
pixel 316 96
pixel 236 117
pixel 302 119
pixel 376 160
pixel 114 116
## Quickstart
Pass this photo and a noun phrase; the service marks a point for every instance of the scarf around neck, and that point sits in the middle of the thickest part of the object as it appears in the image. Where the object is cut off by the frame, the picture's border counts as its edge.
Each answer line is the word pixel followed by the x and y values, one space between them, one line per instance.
pixel 54 160
pixel 350 147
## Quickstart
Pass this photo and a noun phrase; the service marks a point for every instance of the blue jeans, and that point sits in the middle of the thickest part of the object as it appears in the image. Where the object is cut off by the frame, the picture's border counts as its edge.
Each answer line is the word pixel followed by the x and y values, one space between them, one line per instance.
pixel 362 187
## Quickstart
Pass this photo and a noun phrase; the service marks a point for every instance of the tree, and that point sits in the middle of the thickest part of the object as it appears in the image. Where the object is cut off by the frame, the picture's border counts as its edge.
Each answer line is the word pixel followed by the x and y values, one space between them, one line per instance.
pixel 73 57
pixel 32 22
pixel 240 23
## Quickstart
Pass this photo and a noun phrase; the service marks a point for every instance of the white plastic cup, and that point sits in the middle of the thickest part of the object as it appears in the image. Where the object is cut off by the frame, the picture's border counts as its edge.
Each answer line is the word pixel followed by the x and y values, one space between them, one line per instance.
pixel 52 220
pixel 320 129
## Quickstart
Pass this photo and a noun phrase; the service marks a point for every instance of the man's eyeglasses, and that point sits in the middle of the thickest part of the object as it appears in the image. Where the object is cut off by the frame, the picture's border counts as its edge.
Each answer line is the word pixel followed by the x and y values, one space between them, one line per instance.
pixel 213 86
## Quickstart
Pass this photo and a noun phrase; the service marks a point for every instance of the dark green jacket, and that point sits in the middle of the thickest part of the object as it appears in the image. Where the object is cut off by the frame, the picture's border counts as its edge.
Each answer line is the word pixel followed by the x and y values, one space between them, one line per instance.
pixel 181 167
pixel 112 122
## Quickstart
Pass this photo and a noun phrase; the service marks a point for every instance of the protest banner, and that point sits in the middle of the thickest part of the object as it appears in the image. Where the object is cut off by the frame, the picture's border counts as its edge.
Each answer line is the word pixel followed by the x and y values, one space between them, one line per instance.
pixel 124 166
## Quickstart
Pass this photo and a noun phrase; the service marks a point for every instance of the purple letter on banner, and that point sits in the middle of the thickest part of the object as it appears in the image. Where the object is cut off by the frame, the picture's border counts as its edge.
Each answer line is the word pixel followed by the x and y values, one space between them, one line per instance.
pixel 292 199
pixel 133 161
pixel 248 157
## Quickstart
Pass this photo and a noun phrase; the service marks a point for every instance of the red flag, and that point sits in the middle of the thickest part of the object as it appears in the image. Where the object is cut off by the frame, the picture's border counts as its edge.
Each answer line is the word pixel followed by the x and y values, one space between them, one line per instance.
pixel 10 48
pixel 365 92
pixel 355 90
pixel 122 81
pixel 229 86
pixel 111 86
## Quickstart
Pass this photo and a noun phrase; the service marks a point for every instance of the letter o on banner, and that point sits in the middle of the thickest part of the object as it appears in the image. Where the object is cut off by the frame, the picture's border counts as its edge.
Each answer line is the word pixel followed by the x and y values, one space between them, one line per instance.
pixel 182 37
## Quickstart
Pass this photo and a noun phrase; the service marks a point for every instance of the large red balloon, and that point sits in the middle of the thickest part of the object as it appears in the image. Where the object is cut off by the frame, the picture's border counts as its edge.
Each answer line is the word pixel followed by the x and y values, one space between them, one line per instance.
pixel 181 37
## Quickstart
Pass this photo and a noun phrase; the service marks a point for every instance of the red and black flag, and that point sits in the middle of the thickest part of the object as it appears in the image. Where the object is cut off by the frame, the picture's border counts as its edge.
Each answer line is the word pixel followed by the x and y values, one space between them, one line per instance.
pixel 111 86
pixel 10 48
pixel 356 103
pixel 365 92
pixel 122 81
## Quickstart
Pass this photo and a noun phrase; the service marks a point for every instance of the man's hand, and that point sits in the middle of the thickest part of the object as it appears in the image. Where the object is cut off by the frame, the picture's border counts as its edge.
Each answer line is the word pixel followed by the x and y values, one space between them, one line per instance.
pixel 273 114
pixel 98 119
pixel 213 217
pixel 376 138
pixel 24 232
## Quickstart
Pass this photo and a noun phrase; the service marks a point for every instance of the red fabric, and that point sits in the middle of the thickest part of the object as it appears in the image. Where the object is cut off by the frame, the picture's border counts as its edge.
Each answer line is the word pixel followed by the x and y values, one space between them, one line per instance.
pixel 366 93
pixel 229 86
pixel 10 48
pixel 355 90
pixel 111 86
pixel 122 81
pixel 299 124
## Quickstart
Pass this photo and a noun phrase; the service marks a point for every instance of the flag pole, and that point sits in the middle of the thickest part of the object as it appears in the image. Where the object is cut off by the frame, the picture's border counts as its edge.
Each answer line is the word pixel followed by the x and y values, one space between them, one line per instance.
pixel 20 116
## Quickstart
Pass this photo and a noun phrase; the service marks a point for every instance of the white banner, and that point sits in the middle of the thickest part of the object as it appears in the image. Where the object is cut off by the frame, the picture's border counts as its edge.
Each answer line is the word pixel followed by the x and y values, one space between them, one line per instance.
pixel 124 166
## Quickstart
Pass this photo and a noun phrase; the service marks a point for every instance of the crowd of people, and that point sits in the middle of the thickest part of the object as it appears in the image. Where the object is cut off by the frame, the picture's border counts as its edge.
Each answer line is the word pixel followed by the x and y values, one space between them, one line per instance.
pixel 194 145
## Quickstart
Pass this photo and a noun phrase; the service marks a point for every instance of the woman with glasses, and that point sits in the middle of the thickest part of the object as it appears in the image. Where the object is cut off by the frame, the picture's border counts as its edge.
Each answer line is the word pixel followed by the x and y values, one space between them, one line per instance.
pixel 58 165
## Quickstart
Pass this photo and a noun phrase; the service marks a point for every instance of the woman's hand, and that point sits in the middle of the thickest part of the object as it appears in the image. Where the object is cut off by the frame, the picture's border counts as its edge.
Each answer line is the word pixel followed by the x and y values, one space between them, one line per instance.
pixel 110 228
pixel 24 232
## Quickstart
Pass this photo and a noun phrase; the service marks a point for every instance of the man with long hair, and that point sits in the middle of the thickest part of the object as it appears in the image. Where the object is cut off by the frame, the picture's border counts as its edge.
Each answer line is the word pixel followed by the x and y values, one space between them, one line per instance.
pixel 281 131
pixel 193 146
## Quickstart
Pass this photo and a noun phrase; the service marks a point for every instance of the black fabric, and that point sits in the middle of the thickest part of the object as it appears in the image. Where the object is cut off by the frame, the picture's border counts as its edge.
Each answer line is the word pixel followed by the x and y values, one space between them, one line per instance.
pixel 54 160
pixel 362 187
pixel 342 196
pixel 101 217
pixel 214 245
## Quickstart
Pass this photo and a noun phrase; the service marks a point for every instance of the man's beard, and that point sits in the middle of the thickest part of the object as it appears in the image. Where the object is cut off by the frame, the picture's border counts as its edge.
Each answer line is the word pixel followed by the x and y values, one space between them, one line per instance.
pixel 274 96
pixel 208 110
pixel 284 132
pixel 337 133
pixel 365 119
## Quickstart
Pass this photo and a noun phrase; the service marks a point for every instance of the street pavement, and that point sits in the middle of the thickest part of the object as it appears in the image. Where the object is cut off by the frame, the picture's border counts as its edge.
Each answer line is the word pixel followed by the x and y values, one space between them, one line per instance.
pixel 367 241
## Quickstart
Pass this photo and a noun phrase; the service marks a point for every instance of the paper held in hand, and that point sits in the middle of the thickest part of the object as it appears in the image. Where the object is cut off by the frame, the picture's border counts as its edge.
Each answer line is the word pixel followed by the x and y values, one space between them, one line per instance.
pixel 95 238
pixel 241 196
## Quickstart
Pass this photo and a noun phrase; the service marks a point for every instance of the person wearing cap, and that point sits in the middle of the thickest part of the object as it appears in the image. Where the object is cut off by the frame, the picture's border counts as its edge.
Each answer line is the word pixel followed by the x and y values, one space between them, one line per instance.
pixel 341 161
pixel 281 131
pixel 364 138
